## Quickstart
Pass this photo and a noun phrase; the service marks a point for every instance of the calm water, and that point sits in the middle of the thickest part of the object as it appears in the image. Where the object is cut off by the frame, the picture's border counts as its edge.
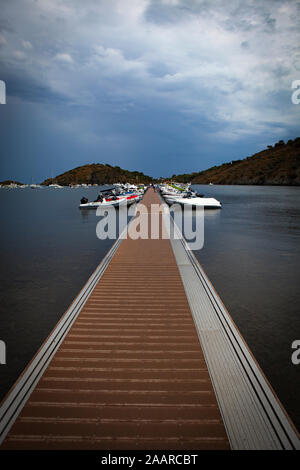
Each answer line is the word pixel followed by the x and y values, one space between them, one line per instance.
pixel 251 254
pixel 48 251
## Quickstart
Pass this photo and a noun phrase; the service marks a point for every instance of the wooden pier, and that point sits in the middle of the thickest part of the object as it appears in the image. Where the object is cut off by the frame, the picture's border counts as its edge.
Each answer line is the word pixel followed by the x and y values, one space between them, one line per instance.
pixel 146 357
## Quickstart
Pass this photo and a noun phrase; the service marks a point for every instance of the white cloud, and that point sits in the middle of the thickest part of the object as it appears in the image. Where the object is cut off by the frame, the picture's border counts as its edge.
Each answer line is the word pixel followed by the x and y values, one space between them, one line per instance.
pixel 3 41
pixel 64 57
pixel 19 55
pixel 27 44
pixel 229 62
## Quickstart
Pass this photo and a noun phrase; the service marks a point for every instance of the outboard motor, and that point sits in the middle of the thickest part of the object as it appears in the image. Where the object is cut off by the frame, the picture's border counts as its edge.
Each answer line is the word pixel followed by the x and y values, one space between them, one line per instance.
pixel 84 200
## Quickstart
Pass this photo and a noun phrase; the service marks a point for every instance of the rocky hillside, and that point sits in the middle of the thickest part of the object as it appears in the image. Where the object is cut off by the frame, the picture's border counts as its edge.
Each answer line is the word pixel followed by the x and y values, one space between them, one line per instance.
pixel 98 173
pixel 8 182
pixel 276 165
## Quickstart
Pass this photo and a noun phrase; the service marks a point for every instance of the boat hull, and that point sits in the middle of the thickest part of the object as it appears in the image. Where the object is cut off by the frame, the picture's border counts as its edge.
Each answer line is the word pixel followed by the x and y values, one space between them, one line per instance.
pixel 206 203
pixel 111 203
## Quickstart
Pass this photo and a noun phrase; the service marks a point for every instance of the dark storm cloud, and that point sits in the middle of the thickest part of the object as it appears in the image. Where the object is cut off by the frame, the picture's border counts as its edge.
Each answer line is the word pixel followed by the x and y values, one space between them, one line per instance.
pixel 119 77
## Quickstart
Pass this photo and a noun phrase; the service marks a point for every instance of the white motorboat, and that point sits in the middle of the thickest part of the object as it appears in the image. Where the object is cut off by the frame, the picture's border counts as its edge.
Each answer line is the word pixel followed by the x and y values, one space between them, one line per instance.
pixel 174 195
pixel 174 190
pixel 183 195
pixel 110 201
pixel 194 201
pixel 55 186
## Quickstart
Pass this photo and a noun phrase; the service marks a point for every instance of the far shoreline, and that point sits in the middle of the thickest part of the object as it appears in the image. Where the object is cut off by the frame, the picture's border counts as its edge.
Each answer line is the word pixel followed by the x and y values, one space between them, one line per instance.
pixel 14 185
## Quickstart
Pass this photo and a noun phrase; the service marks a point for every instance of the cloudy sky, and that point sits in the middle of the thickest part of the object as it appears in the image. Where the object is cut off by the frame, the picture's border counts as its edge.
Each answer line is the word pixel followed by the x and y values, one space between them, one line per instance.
pixel 159 86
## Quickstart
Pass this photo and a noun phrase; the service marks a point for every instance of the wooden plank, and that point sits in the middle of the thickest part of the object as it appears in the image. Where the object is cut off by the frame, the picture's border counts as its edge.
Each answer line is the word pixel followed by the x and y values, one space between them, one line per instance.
pixel 253 416
pixel 130 372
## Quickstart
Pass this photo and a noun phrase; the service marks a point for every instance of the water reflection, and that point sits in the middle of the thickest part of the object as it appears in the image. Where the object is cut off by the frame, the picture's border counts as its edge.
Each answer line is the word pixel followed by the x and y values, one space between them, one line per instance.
pixel 48 250
pixel 251 254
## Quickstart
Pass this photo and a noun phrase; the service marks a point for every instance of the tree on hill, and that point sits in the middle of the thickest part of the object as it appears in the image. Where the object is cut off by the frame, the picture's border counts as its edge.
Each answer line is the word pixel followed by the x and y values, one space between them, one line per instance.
pixel 276 165
pixel 97 173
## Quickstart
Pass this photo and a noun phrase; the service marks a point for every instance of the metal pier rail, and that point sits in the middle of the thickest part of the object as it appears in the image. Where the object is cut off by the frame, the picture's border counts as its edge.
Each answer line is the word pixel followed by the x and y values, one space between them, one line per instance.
pixel 146 357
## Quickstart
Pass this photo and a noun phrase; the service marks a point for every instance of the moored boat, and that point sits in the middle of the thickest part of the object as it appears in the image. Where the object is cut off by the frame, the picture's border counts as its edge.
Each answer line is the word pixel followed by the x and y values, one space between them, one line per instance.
pixel 194 201
pixel 188 198
pixel 110 201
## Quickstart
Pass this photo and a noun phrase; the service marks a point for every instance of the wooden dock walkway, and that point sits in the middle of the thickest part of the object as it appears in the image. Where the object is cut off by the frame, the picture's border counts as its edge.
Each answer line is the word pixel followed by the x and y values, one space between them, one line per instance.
pixel 146 357
pixel 130 373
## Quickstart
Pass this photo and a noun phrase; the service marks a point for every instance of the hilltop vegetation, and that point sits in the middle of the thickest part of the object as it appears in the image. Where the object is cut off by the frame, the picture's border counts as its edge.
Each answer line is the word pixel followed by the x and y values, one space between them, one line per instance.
pixel 8 182
pixel 276 165
pixel 98 173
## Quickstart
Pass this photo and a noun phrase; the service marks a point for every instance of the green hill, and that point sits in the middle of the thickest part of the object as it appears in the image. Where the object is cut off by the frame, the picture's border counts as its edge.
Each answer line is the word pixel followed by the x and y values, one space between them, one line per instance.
pixel 98 173
pixel 8 182
pixel 276 165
